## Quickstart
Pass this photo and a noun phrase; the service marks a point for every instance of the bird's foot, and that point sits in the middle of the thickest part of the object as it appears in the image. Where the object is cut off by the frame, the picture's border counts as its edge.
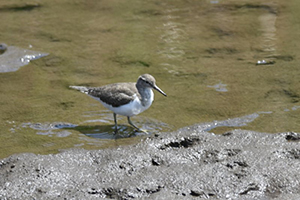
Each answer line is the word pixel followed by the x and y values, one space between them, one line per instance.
pixel 141 130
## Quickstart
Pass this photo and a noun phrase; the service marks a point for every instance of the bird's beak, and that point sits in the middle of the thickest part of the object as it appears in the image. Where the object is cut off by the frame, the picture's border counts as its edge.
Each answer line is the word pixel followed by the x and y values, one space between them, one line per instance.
pixel 159 90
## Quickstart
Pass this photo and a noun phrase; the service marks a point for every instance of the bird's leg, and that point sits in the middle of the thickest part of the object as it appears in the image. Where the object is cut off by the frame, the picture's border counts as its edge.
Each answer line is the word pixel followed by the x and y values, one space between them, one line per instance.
pixel 129 121
pixel 116 124
pixel 138 129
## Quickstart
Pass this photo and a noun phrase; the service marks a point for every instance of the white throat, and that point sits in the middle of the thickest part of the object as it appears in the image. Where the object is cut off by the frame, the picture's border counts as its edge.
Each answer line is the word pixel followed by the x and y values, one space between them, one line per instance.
pixel 147 97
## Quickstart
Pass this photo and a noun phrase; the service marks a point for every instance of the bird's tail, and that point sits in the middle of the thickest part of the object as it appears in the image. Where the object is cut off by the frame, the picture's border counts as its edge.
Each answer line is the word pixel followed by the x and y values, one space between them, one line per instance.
pixel 82 89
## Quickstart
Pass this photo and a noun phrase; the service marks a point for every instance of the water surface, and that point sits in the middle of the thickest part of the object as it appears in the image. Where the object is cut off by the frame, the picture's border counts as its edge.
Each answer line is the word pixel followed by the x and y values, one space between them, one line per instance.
pixel 204 55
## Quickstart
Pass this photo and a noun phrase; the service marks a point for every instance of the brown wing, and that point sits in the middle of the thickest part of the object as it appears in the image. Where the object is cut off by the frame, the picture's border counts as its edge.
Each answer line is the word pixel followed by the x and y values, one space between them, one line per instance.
pixel 116 94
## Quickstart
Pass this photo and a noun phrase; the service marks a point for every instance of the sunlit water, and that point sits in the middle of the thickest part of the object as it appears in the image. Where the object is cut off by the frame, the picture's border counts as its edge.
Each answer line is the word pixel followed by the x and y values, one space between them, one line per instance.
pixel 14 58
pixel 220 62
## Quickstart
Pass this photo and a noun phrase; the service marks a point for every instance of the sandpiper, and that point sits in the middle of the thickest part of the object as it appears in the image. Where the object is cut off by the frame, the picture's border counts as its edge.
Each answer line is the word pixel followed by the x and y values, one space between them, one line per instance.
pixel 127 99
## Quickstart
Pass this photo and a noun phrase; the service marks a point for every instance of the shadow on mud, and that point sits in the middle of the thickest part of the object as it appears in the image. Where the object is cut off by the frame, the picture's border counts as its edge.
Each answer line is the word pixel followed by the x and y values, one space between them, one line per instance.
pixel 107 131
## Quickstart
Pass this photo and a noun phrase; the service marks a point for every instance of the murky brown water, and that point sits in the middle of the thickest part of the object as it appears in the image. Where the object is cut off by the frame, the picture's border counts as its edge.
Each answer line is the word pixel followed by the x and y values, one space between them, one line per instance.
pixel 203 54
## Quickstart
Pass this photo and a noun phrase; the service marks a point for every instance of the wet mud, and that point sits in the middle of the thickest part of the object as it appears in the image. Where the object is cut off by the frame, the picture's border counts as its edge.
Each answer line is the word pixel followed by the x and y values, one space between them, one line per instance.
pixel 185 164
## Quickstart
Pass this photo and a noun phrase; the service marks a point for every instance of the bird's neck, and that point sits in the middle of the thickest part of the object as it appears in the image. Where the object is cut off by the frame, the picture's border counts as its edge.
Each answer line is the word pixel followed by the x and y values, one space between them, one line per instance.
pixel 146 96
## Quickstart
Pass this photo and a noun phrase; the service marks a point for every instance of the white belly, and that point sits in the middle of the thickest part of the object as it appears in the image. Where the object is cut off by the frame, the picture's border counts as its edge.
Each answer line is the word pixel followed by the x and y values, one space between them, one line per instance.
pixel 133 108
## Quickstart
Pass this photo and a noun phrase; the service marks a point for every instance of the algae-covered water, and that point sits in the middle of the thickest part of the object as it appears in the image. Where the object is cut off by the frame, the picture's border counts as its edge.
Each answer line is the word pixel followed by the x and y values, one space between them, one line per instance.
pixel 216 60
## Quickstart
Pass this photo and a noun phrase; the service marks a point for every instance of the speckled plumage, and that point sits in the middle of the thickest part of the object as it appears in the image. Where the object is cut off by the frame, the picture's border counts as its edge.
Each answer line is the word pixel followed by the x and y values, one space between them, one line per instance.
pixel 116 94
pixel 126 99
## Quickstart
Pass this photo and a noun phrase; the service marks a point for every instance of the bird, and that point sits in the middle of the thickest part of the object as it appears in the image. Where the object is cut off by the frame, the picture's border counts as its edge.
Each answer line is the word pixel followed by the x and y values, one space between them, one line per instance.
pixel 126 99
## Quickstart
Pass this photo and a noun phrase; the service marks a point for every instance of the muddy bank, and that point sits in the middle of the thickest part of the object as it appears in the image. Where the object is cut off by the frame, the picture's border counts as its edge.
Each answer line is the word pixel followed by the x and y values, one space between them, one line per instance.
pixel 187 164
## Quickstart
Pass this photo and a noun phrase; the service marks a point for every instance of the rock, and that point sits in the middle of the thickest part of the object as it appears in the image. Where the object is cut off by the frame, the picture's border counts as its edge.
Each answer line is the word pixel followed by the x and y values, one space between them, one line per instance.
pixel 3 48
pixel 12 58
pixel 186 164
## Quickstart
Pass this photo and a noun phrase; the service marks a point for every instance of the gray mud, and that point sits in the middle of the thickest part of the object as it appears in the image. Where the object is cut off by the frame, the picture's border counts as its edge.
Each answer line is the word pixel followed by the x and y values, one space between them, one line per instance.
pixel 187 164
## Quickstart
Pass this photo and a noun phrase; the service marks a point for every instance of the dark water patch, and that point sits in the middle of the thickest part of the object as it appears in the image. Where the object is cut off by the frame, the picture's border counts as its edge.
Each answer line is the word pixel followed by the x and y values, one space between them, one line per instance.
pixel 199 75
pixel 20 8
pixel 284 57
pixel 225 50
pixel 250 6
pixel 293 95
pixel 258 6
pixel 276 94
pixel 143 63
pixel 126 61
pixel 53 60
pixel 66 105
pixel 221 32
pixel 52 36
pixel 150 12
pixel 106 131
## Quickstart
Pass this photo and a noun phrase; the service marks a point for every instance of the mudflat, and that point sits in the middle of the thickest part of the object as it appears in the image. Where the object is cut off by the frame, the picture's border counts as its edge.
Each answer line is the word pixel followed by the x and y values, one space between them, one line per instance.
pixel 184 164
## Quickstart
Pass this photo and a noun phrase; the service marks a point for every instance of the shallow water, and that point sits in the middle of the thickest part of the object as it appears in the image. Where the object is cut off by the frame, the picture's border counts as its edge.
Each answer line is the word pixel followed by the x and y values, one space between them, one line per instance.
pixel 204 54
